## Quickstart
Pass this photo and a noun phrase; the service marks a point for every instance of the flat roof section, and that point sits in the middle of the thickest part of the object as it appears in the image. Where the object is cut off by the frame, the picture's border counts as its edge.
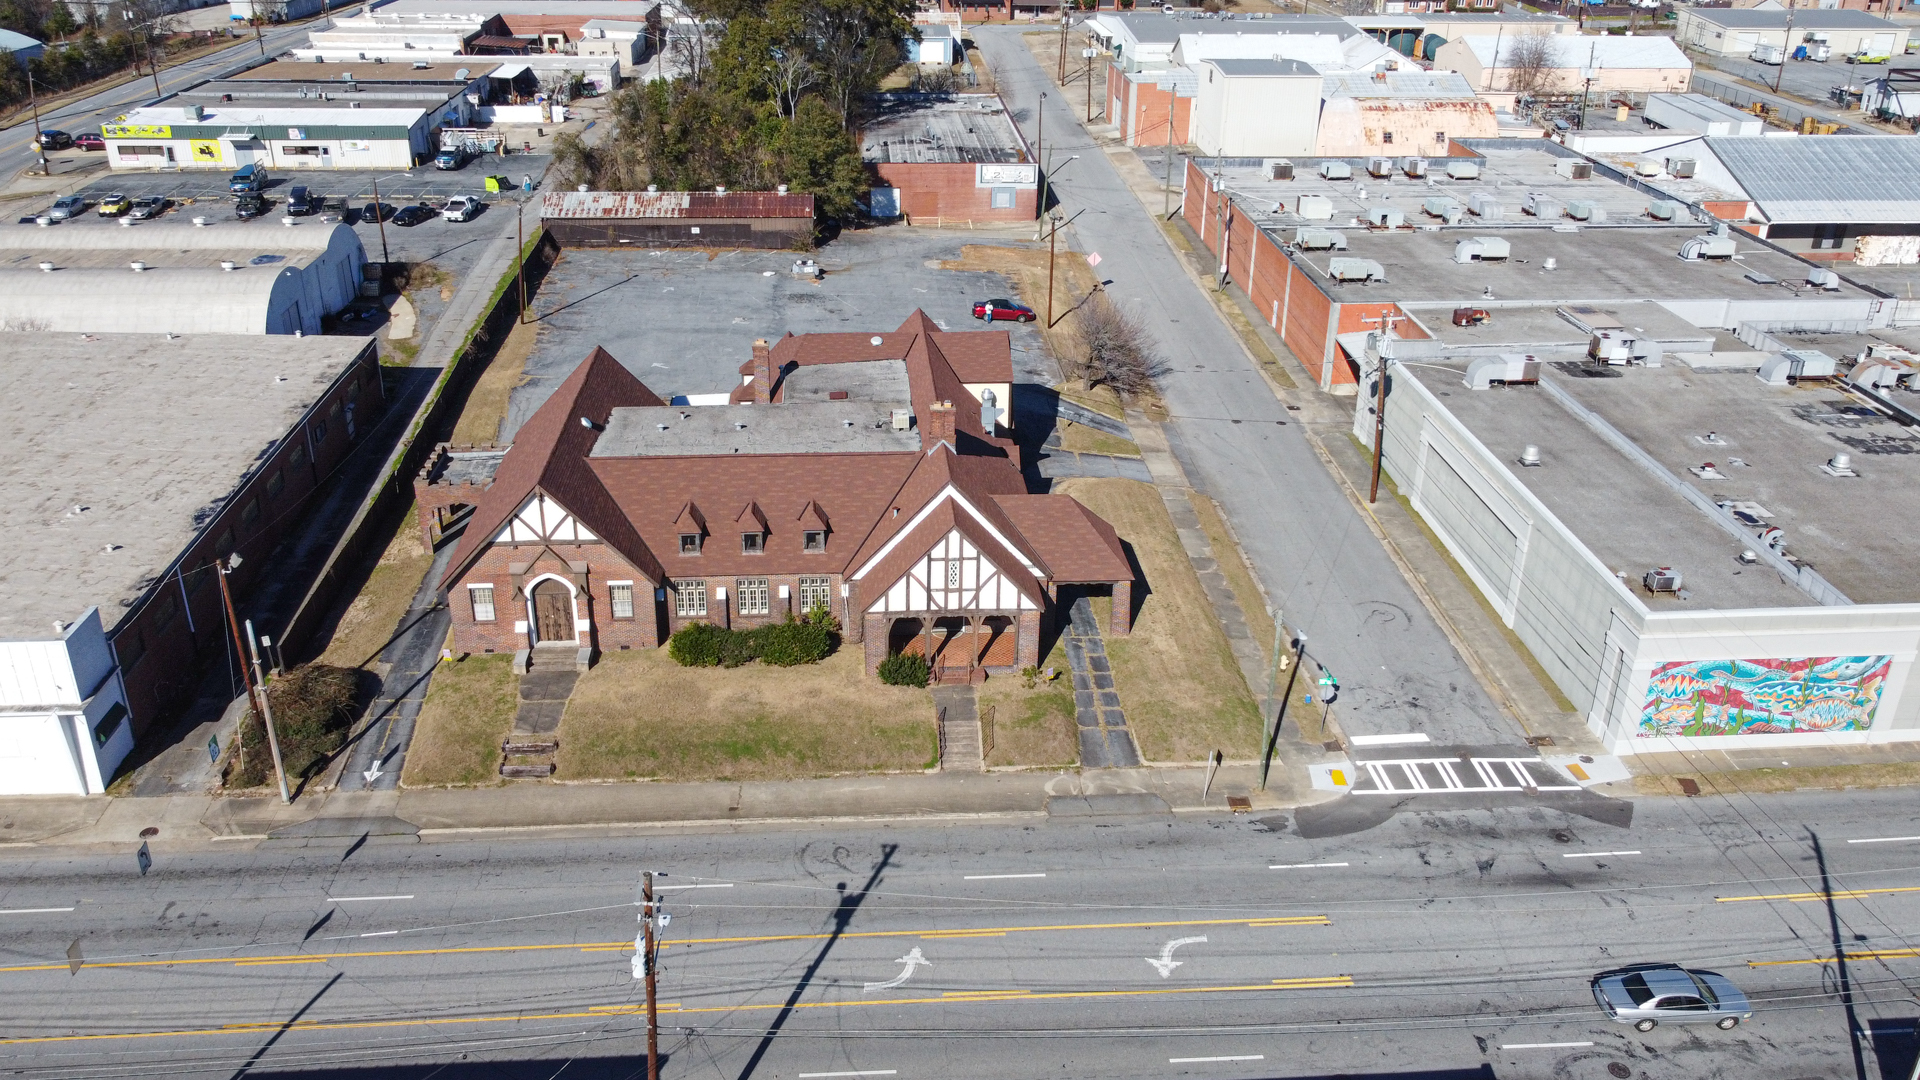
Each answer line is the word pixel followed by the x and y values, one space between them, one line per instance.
pixel 119 445
pixel 934 128
pixel 367 71
pixel 1548 329
pixel 883 381
pixel 820 427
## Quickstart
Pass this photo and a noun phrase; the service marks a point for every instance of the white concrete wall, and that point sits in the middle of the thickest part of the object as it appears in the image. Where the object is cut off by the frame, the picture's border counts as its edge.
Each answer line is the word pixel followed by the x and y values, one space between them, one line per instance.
pixel 1693 28
pixel 1256 116
pixel 56 695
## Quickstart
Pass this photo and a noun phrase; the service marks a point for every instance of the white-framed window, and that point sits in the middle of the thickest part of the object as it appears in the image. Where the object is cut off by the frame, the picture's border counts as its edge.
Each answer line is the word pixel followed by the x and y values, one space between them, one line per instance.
pixel 482 598
pixel 815 592
pixel 690 598
pixel 621 593
pixel 752 593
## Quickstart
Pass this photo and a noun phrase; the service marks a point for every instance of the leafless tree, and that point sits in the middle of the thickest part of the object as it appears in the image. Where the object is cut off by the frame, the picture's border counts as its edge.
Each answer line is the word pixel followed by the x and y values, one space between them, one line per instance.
pixel 1116 349
pixel 935 80
pixel 690 46
pixel 790 73
pixel 152 22
pixel 1530 62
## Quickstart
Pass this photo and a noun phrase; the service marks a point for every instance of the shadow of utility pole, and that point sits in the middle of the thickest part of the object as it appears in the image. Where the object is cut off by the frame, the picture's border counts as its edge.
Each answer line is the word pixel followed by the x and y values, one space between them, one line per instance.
pixel 1839 958
pixel 842 918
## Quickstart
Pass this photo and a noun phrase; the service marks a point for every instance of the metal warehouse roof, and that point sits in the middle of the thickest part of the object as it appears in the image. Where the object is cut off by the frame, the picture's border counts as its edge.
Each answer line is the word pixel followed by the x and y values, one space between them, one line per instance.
pixel 1803 17
pixel 1399 84
pixel 674 204
pixel 1242 67
pixel 1827 178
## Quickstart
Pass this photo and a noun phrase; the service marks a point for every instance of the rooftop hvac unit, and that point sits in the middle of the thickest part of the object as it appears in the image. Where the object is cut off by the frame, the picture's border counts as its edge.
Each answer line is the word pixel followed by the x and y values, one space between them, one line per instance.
pixel 1508 369
pixel 1460 169
pixel 1415 167
pixel 1586 210
pixel 1484 205
pixel 1315 208
pixel 1362 270
pixel 1810 364
pixel 1379 167
pixel 1320 240
pixel 1681 168
pixel 1874 373
pixel 1661 579
pixel 1335 170
pixel 1447 210
pixel 1610 347
pixel 1715 245
pixel 1663 209
pixel 1543 206
pixel 1574 170
pixel 1824 279
pixel 902 419
pixel 1481 249
pixel 1643 167
pixel 1279 170
pixel 1386 217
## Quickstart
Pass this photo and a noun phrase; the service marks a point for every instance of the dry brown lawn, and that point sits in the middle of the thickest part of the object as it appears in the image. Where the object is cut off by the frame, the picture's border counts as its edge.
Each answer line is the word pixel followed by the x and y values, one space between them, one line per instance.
pixel 1233 565
pixel 1085 440
pixel 640 715
pixel 1182 691
pixel 486 407
pixel 370 620
pixel 1032 727
pixel 468 712
pixel 1768 781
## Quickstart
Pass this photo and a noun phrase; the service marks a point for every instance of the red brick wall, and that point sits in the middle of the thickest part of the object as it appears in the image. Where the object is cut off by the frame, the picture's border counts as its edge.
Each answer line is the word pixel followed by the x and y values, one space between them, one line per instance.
pixel 931 193
pixel 163 646
pixel 604 565
pixel 1144 119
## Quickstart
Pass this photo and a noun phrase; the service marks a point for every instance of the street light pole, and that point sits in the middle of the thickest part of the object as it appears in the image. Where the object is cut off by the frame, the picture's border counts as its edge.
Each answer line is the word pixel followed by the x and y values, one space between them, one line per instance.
pixel 1065 21
pixel 1166 189
pixel 1088 53
pixel 1273 737
pixel 380 219
pixel 266 716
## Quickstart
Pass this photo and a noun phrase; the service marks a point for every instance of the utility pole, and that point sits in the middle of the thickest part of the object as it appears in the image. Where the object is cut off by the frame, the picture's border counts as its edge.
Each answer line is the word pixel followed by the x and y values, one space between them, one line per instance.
pixel 1386 319
pixel 520 254
pixel 1088 53
pixel 1166 189
pixel 1053 222
pixel 380 219
pixel 1786 45
pixel 266 715
pixel 1273 737
pixel 647 947
pixel 258 37
pixel 1226 224
pixel 39 143
pixel 221 568
pixel 1040 147
pixel 1065 21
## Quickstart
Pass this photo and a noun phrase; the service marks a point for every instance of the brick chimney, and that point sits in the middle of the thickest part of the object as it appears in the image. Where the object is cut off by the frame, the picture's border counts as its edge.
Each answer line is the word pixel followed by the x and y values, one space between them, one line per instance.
pixel 939 425
pixel 762 372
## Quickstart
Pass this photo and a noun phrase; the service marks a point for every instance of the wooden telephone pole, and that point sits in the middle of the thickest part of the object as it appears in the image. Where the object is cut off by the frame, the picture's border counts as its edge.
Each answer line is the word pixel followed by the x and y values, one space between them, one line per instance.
pixel 648 958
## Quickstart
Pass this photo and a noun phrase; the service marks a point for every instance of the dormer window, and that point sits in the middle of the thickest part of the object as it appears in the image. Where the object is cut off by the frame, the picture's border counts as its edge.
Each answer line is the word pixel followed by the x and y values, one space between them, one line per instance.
pixel 689 543
pixel 752 543
pixel 814 540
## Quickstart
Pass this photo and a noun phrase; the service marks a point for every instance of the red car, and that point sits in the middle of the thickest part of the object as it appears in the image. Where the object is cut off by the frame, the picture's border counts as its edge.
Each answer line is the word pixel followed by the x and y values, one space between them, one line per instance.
pixel 89 141
pixel 992 310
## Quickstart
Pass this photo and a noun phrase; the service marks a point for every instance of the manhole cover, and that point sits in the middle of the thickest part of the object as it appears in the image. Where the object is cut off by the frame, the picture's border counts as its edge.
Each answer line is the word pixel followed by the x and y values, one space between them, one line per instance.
pixel 1619 1070
pixel 1539 740
pixel 1239 804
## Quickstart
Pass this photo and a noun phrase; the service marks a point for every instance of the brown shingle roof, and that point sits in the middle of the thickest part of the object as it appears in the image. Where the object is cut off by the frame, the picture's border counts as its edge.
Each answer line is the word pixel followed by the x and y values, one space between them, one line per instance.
pixel 978 356
pixel 1078 545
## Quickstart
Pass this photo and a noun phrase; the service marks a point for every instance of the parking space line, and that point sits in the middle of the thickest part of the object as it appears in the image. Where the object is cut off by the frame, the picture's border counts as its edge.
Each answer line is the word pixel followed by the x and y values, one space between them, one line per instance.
pixel 1543 1046
pixel 1226 1057
pixel 352 899
pixel 1883 839
pixel 1304 865
pixel 1594 854
pixel 33 910
pixel 851 1072
pixel 997 877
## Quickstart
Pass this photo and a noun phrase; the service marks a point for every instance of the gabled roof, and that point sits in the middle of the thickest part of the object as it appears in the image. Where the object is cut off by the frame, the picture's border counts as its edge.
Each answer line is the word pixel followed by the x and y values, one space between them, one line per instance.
pixel 976 479
pixel 549 455
pixel 750 515
pixel 945 517
pixel 811 514
pixel 1871 179
pixel 690 515
pixel 1077 544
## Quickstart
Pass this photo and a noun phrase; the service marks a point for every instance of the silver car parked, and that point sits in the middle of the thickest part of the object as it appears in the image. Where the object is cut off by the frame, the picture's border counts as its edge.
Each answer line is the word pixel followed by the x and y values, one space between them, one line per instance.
pixel 1647 995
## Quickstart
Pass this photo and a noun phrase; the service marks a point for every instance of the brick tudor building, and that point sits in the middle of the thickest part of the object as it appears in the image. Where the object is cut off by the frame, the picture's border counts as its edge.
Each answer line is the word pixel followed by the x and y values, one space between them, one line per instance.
pixel 843 476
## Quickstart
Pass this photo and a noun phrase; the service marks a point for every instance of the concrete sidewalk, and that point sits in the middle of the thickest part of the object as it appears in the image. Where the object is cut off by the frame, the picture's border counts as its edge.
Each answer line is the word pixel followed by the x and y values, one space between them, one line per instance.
pixel 202 822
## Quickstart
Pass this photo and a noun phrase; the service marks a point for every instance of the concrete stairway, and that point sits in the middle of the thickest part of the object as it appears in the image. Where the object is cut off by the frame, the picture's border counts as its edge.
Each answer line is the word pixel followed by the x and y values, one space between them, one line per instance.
pixel 958 712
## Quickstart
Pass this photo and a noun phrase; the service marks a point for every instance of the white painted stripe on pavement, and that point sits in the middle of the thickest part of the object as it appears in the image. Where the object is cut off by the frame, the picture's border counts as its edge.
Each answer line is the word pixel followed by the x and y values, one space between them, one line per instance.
pixel 1595 854
pixel 1883 839
pixel 710 885
pixel 859 1072
pixel 1234 1057
pixel 381 933
pixel 1543 1046
pixel 33 910
pixel 1303 865
pixel 1388 740
pixel 997 877
pixel 351 899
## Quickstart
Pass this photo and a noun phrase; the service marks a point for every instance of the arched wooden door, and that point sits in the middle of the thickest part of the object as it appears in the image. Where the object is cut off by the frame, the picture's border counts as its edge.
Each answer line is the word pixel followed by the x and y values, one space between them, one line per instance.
pixel 552 612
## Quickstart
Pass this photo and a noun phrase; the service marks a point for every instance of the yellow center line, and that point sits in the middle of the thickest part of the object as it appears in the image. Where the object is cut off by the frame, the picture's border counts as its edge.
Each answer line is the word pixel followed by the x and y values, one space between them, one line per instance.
pixel 1885 954
pixel 1804 897
pixel 962 937
pixel 1326 982
pixel 270 963
pixel 627 946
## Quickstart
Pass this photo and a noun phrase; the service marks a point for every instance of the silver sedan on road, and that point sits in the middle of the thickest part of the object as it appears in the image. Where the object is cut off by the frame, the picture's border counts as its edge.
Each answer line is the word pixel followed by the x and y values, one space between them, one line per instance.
pixel 1647 995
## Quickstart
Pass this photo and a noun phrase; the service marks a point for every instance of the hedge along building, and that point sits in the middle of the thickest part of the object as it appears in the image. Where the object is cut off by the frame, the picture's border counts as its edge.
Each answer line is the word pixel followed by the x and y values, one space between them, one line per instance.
pixel 855 472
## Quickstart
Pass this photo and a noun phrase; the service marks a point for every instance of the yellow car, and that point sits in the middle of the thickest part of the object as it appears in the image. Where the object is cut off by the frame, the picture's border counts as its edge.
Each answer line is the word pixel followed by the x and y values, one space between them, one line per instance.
pixel 114 205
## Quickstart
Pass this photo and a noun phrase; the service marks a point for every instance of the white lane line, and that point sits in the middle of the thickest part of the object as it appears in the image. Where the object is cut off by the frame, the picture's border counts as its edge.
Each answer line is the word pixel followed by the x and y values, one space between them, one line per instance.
pixel 1407 739
pixel 351 899
pixel 1543 1046
pixel 713 885
pixel 1235 1057
pixel 1884 840
pixel 381 933
pixel 1304 865
pixel 1595 854
pixel 997 877
pixel 858 1072
pixel 33 910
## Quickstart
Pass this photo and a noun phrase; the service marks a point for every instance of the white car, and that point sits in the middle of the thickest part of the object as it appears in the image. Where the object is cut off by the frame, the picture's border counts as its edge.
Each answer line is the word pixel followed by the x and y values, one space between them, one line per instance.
pixel 460 208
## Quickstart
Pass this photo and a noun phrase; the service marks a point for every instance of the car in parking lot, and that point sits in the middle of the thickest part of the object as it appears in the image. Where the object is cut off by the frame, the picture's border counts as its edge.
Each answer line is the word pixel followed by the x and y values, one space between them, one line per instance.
pixel 410 216
pixel 450 160
pixel 1000 308
pixel 67 206
pixel 149 206
pixel 113 205
pixel 376 211
pixel 300 201
pixel 1648 995
pixel 249 205
pixel 89 141
pixel 54 139
pixel 461 208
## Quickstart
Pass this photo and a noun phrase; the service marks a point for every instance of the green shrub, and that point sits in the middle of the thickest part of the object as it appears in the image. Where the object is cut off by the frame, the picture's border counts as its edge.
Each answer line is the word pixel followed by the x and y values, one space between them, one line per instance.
pixel 905 669
pixel 697 645
pixel 739 646
pixel 794 642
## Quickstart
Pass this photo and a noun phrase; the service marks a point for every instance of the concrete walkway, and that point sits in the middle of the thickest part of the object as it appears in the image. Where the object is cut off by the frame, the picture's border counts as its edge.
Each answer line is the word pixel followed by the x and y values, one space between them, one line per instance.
pixel 1105 741
pixel 379 752
pixel 957 709
pixel 1060 464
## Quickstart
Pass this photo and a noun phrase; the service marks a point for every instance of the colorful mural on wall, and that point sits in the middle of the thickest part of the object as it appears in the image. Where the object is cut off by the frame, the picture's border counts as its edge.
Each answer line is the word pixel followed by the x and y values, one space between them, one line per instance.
pixel 1764 697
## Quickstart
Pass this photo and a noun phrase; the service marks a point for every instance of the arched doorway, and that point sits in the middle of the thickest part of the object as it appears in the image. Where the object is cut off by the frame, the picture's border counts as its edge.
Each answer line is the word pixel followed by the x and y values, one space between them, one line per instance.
pixel 552 612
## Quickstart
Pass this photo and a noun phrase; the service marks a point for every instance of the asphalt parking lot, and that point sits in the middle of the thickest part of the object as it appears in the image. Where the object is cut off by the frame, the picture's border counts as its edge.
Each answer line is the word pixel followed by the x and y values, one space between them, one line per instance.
pixel 1809 80
pixel 684 321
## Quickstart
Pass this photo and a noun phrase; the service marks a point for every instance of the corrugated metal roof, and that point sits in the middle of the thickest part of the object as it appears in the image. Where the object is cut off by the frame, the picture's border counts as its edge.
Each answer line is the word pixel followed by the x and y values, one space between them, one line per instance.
pixel 1398 84
pixel 1827 178
pixel 1258 68
pixel 1583 50
pixel 674 204
pixel 1803 18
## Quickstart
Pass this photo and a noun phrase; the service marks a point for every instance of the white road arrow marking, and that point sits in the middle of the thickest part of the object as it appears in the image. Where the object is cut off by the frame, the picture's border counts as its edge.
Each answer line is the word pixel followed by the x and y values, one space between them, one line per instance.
pixel 373 773
pixel 912 960
pixel 1167 963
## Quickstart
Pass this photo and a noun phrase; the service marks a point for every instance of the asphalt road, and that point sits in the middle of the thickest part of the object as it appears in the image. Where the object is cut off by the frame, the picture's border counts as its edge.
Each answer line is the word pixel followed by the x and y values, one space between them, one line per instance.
pixel 1441 945
pixel 1398 672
